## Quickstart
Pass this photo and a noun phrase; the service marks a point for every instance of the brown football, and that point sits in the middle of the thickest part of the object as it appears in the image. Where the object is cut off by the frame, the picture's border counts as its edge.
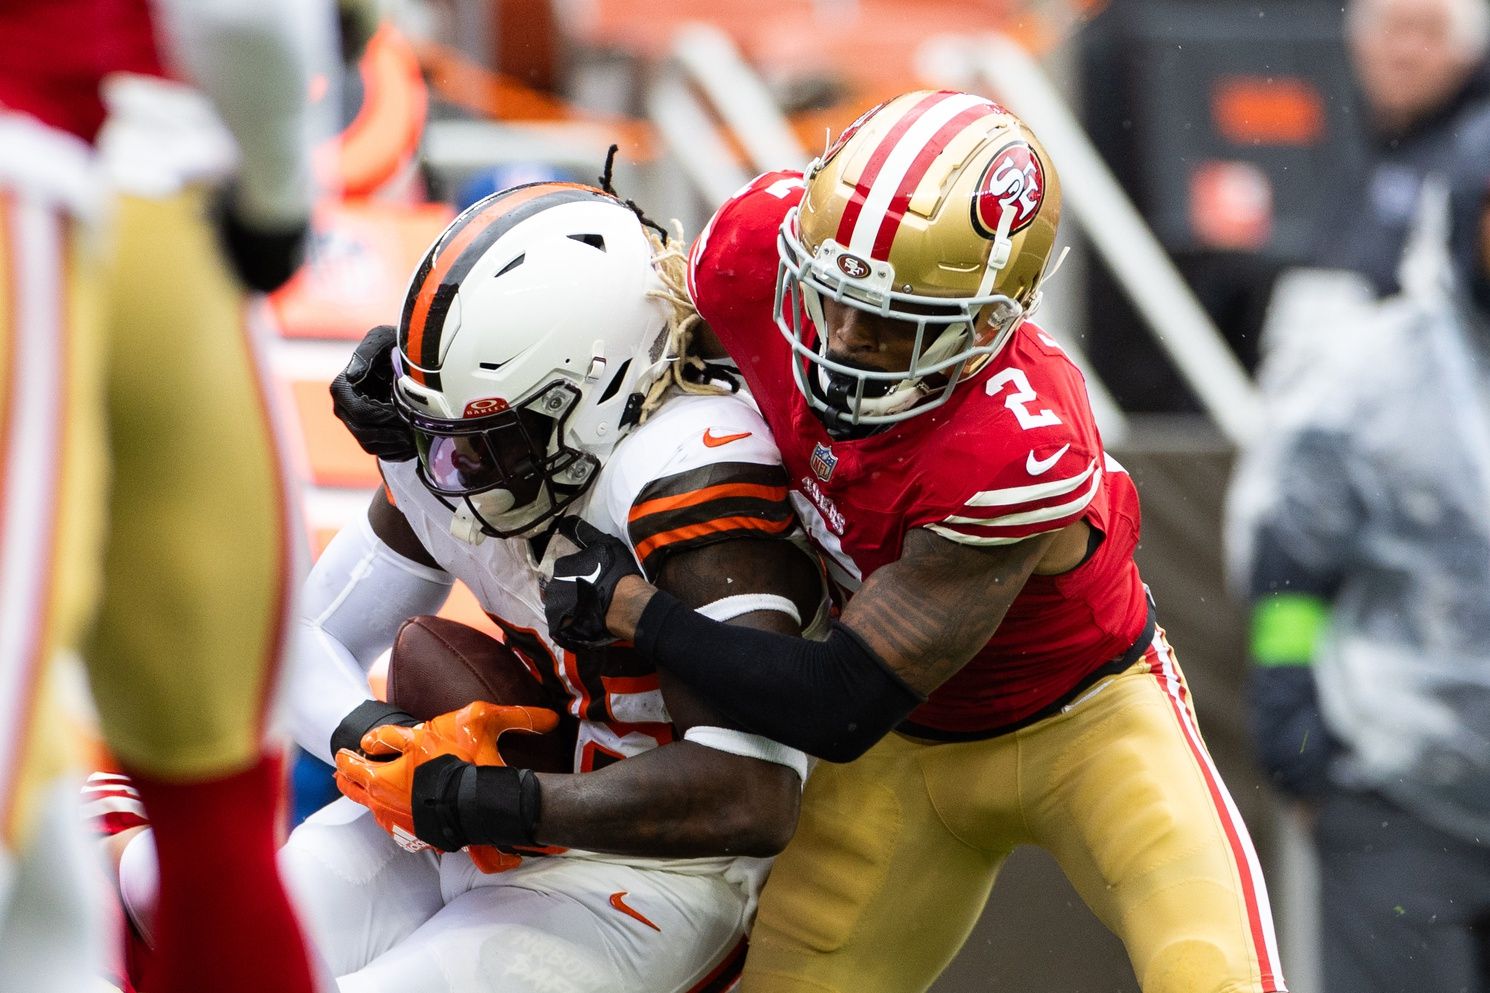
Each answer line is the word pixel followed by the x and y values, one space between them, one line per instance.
pixel 439 665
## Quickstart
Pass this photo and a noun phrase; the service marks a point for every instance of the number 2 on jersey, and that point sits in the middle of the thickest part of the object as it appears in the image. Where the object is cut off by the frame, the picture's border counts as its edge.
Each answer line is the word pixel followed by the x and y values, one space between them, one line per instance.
pixel 1023 393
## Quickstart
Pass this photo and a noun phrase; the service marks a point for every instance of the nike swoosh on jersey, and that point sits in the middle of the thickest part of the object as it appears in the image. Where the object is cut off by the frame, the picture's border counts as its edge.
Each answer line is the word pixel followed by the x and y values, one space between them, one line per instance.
pixel 1038 467
pixel 579 579
pixel 617 900
pixel 712 440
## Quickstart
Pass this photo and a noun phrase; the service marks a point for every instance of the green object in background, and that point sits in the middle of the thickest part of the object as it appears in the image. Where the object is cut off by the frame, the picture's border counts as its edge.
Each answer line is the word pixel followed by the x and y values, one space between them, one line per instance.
pixel 1286 628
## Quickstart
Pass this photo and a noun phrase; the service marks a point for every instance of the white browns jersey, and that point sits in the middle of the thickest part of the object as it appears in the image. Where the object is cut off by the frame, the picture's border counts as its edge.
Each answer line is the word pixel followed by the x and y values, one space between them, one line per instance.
pixel 700 470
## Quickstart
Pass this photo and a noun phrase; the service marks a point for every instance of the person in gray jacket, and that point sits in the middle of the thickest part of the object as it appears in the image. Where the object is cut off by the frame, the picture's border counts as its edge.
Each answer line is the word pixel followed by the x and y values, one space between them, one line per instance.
pixel 1358 525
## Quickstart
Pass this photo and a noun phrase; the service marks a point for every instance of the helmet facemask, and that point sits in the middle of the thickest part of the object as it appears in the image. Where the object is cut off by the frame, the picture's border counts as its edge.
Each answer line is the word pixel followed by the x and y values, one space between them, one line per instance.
pixel 511 470
pixel 952 336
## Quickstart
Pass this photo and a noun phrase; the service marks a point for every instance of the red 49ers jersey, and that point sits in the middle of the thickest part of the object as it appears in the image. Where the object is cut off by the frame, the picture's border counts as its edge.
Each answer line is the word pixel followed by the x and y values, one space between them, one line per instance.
pixel 58 52
pixel 1014 453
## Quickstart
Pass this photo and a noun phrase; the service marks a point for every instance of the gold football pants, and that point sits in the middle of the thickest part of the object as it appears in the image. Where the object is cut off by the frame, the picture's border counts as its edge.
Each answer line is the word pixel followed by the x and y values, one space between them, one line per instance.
pixel 51 426
pixel 896 852
pixel 142 487
pixel 197 575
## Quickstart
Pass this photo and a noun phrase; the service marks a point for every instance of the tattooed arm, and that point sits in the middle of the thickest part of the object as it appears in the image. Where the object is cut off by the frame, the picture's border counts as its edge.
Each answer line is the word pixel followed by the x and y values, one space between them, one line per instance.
pixel 926 614
pixel 912 625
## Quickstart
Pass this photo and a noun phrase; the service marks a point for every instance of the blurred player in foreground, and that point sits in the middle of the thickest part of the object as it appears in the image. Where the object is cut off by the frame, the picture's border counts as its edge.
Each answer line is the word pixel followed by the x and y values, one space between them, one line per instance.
pixel 142 489
pixel 540 367
pixel 996 677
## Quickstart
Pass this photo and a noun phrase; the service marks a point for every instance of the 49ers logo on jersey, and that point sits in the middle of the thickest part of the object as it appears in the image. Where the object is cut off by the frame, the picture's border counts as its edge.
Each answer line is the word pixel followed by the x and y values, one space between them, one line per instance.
pixel 1014 181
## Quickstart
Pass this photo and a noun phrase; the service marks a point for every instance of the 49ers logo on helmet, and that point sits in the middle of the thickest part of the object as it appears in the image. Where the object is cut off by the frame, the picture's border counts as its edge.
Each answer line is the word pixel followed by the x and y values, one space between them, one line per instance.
pixel 1014 181
pixel 852 266
pixel 490 405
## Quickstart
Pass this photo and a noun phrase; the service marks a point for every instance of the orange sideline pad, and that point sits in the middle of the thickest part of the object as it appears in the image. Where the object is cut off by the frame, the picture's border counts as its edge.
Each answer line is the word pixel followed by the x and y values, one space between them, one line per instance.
pixel 360 258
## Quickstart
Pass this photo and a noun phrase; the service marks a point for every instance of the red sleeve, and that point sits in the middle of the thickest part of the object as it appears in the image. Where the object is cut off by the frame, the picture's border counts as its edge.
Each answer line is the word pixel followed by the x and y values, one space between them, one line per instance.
pixel 732 267
pixel 1020 504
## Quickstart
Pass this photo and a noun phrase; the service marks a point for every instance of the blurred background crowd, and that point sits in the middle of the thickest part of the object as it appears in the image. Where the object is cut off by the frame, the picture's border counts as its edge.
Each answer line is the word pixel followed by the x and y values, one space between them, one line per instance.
pixel 1277 287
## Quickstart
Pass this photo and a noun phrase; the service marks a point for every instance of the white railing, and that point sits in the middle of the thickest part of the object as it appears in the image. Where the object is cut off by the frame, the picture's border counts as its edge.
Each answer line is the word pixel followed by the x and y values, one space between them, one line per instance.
pixel 706 95
pixel 1094 199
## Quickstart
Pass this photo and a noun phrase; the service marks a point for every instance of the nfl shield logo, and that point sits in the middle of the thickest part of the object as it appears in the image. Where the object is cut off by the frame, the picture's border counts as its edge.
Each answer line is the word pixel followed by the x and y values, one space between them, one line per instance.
pixel 823 460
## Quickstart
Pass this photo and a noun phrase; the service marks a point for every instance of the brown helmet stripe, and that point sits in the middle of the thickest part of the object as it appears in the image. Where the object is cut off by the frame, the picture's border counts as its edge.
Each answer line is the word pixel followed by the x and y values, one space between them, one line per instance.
pixel 456 252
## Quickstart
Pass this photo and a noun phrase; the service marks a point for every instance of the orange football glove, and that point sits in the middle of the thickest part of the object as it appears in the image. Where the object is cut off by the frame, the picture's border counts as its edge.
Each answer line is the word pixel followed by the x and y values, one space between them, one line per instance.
pixel 470 733
pixel 383 788
pixel 385 785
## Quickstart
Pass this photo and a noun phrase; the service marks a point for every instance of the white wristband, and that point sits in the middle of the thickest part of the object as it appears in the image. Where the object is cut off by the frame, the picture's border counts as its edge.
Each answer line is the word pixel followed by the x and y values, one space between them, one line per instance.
pixel 730 607
pixel 750 746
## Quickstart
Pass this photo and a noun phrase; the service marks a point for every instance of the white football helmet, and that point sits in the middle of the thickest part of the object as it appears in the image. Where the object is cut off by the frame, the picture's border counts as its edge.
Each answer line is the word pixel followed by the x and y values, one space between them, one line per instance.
pixel 936 208
pixel 531 333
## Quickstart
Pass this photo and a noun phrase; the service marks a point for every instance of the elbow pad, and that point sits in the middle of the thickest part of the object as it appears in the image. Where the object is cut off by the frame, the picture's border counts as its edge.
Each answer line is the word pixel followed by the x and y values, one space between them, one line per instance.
pixel 833 698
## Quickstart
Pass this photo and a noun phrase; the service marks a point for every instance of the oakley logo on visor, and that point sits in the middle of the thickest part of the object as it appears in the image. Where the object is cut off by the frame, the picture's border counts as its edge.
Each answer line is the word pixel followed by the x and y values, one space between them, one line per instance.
pixel 490 405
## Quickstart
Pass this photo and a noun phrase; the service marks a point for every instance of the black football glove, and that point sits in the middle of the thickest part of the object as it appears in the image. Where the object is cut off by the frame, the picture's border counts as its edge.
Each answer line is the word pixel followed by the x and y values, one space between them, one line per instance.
pixel 362 397
pixel 579 593
pixel 263 257
pixel 364 717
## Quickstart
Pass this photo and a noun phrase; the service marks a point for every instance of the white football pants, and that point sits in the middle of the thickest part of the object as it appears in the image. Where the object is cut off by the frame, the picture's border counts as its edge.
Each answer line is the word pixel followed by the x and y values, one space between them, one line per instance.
pixel 384 920
pixel 52 927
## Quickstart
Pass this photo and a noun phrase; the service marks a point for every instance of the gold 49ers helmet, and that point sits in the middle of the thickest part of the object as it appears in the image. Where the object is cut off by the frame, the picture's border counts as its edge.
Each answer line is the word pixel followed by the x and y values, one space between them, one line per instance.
pixel 936 208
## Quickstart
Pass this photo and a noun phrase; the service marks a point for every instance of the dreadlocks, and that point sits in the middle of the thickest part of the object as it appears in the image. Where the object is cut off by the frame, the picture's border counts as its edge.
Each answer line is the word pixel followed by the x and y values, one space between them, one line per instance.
pixel 686 371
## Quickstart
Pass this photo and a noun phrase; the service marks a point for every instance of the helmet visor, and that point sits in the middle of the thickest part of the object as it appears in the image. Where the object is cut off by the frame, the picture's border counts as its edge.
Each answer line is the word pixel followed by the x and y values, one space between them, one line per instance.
pixel 505 455
pixel 511 449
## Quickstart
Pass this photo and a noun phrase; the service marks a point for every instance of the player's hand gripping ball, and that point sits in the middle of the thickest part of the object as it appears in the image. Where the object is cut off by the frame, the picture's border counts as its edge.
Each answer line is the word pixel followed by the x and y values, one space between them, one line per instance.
pixel 383 781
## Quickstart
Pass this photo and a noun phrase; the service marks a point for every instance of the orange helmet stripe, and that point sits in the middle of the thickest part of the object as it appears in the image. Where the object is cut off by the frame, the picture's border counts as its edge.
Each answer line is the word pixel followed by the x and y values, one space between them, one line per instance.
pixel 451 256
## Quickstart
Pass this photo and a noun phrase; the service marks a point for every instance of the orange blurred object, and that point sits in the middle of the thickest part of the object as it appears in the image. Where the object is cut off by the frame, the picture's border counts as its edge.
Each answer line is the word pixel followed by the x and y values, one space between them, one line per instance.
pixel 1264 111
pixel 381 143
pixel 360 258
pixel 1231 205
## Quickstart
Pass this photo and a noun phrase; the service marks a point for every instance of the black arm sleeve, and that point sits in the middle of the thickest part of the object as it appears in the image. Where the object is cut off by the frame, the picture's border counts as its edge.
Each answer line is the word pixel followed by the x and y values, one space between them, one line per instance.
pixel 832 699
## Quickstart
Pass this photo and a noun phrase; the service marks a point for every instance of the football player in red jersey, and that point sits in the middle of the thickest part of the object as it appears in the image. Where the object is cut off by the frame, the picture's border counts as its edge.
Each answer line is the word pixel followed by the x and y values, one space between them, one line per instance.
pixel 996 676
pixel 141 494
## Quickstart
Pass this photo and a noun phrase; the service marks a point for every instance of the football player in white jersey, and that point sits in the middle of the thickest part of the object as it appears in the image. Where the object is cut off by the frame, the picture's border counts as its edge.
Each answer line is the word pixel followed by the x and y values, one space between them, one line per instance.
pixel 540 366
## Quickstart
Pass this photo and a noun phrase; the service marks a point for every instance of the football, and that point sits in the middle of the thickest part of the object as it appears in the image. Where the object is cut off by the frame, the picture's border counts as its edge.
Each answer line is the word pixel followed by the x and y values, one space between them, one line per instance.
pixel 439 665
